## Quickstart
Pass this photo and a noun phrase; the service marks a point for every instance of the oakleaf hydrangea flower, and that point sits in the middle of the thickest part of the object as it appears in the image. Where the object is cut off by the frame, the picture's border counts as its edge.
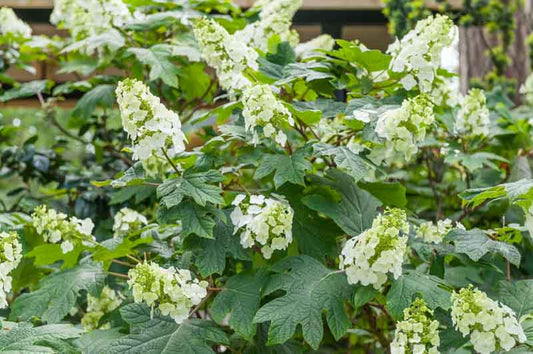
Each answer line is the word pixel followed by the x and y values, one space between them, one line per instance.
pixel 89 18
pixel 262 108
pixel 266 222
pixel 418 53
pixel 492 326
pixel 369 257
pixel 171 290
pixel 152 127
pixel 403 128
pixel 273 7
pixel 127 221
pixel 97 307
pixel 323 42
pixel 434 233
pixel 10 24
pixel 10 256
pixel 228 55
pixel 418 332
pixel 473 117
pixel 275 19
pixel 56 227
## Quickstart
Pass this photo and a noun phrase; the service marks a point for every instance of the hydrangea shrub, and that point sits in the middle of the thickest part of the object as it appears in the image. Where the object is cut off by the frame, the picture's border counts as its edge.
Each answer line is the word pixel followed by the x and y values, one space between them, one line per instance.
pixel 220 186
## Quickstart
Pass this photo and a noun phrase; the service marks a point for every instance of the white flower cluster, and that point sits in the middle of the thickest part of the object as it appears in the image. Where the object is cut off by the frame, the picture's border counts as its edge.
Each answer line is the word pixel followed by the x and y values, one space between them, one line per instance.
pixel 274 19
pixel 10 24
pixel 228 55
pixel 434 233
pixel 262 108
pixel 127 221
pixel 97 307
pixel 267 222
pixel 368 258
pixel 57 227
pixel 323 42
pixel 403 128
pixel 87 18
pixel 273 7
pixel 491 326
pixel 527 90
pixel 418 53
pixel 152 127
pixel 473 117
pixel 172 291
pixel 418 332
pixel 10 256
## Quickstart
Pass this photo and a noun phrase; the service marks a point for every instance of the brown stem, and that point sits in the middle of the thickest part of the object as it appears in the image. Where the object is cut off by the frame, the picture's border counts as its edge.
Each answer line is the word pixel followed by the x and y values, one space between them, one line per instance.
pixel 174 167
pixel 433 186
pixel 385 345
pixel 123 263
pixel 118 275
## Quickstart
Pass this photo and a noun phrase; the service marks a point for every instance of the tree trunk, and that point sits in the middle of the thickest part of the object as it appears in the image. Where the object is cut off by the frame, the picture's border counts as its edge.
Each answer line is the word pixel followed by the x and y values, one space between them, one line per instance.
pixel 473 44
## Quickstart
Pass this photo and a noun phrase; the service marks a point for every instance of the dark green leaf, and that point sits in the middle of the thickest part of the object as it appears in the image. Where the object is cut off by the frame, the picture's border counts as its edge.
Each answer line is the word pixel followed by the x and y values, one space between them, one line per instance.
pixel 57 293
pixel 240 298
pixel 211 254
pixel 162 335
pixel 23 338
pixel 414 284
pixel 100 96
pixel 517 295
pixel 289 168
pixel 352 208
pixel 310 288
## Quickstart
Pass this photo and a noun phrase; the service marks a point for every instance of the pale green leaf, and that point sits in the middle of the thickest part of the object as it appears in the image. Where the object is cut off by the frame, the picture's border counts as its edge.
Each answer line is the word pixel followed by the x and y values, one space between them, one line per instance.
pixel 475 244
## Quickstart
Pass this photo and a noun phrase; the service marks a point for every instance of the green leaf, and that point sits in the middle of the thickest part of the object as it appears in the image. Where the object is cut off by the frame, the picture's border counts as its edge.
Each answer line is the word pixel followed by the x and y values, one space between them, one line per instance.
pixel 99 96
pixel 352 208
pixel 195 219
pixel 48 253
pixel 57 293
pixel 194 81
pixel 363 294
pixel 474 161
pixel 240 298
pixel 514 190
pixel 158 58
pixel 390 194
pixel 309 71
pixel 316 235
pixel 354 164
pixel 194 185
pixel 162 335
pixel 412 284
pixel 23 338
pixel 211 254
pixel 311 112
pixel 517 295
pixel 475 244
pixel 96 341
pixel 26 89
pixel 289 168
pixel 372 60
pixel 118 248
pixel 310 288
